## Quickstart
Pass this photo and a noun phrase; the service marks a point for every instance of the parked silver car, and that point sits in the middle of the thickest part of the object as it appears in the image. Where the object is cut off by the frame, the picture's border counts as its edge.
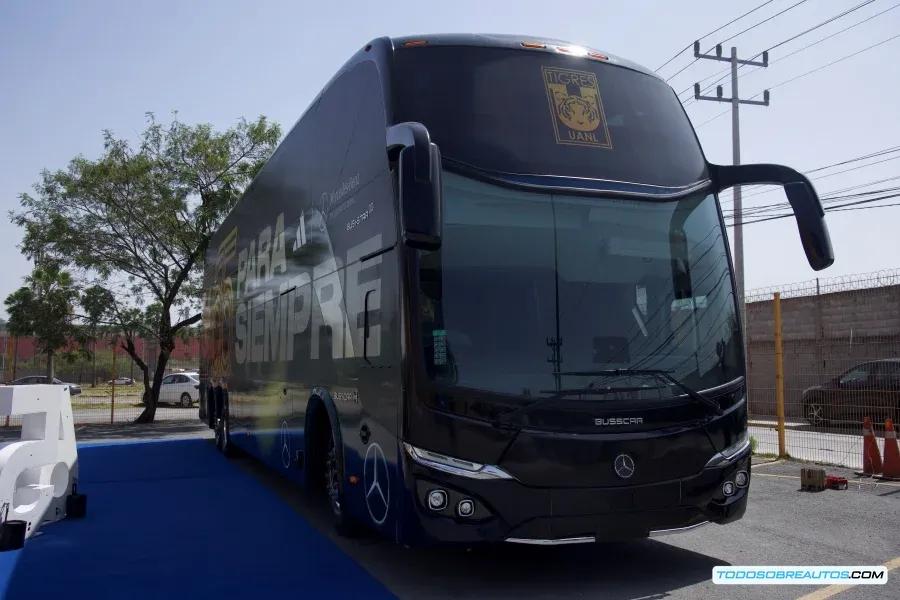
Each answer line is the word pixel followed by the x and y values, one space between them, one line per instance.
pixel 74 389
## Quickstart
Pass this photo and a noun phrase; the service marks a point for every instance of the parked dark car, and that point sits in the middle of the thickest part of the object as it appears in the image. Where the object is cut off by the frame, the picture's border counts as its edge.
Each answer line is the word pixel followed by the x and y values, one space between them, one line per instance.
pixel 870 389
pixel 74 389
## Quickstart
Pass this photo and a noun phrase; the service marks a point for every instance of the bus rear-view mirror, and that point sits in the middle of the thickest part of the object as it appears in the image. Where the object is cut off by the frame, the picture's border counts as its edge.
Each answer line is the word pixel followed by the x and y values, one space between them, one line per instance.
pixel 800 193
pixel 419 166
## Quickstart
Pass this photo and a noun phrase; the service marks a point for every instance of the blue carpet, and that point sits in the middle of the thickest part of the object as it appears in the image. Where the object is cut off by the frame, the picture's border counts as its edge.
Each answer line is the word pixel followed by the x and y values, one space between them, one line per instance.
pixel 175 520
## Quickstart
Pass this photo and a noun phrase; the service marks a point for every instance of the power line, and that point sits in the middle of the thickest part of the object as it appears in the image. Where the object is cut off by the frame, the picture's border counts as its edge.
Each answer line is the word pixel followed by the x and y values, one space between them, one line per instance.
pixel 828 209
pixel 857 159
pixel 688 47
pixel 890 39
pixel 836 33
pixel 769 208
pixel 865 207
pixel 856 168
pixel 822 24
pixel 834 62
pixel 842 163
pixel 760 193
pixel 741 33
pixel 811 29
pixel 887 195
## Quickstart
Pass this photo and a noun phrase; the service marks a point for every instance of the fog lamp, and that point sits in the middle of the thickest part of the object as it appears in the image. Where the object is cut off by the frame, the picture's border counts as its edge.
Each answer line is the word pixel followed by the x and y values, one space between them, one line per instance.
pixel 437 499
pixel 465 508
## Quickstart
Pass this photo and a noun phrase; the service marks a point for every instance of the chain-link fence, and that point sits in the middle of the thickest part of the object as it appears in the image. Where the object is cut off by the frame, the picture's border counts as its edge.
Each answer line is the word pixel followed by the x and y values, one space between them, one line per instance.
pixel 99 401
pixel 840 343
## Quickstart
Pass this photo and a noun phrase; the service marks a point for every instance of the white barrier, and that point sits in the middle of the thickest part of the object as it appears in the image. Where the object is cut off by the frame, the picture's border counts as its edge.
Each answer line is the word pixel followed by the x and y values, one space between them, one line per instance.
pixel 38 471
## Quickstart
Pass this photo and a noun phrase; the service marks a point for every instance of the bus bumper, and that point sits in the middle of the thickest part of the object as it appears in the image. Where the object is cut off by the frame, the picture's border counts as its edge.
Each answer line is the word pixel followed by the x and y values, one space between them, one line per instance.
pixel 508 511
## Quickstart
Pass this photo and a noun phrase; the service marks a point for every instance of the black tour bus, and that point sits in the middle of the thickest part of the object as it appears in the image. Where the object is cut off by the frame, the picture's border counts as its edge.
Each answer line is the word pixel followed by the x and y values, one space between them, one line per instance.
pixel 483 292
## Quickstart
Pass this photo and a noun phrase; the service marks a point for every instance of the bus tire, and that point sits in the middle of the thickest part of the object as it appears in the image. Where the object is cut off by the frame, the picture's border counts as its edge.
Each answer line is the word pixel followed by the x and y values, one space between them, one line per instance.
pixel 223 428
pixel 333 472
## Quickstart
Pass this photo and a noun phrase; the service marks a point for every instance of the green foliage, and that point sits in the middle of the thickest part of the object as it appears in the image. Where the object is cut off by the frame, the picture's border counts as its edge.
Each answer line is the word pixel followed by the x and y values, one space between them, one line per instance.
pixel 753 444
pixel 43 307
pixel 97 303
pixel 136 223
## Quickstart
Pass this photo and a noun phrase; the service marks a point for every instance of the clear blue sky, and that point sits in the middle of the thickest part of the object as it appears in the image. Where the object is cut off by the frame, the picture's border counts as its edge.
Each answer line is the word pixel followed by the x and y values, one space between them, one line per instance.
pixel 70 69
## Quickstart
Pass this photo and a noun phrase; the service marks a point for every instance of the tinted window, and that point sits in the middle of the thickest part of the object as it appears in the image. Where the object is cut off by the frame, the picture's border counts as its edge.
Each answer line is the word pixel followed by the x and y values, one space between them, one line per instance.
pixel 529 112
pixel 857 374
pixel 891 369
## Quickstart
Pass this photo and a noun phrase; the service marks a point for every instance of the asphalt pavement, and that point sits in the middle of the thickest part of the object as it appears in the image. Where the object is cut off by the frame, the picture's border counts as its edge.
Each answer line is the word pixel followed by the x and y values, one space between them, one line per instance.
pixel 782 527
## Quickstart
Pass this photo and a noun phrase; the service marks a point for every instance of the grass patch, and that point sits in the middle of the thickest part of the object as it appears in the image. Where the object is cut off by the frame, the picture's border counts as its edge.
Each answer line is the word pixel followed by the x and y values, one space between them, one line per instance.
pixel 105 391
pixel 103 405
pixel 771 455
pixel 753 444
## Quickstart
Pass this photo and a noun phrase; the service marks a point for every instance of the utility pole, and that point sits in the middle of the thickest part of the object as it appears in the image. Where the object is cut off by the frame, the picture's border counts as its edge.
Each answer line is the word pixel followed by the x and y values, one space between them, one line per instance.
pixel 736 145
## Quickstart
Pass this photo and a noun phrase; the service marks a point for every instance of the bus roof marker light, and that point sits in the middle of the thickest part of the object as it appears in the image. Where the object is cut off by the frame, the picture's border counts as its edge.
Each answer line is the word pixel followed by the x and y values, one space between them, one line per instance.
pixel 414 43
pixel 598 56
pixel 533 45
pixel 573 50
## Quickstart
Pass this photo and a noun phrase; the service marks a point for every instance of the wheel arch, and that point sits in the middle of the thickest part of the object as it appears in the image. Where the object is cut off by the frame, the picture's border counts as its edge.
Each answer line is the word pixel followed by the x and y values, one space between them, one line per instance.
pixel 320 406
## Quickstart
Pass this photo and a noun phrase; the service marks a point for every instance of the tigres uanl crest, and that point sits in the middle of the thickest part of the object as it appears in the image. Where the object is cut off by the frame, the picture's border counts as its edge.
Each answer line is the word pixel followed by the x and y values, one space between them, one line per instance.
pixel 576 108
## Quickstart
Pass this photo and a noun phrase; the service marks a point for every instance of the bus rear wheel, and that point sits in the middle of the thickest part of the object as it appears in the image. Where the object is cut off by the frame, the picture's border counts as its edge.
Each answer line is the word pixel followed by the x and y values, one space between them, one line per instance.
pixel 223 430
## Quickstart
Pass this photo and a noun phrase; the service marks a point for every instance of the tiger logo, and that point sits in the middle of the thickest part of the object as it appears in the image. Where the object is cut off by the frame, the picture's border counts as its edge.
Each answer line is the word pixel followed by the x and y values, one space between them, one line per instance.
pixel 576 108
pixel 577 112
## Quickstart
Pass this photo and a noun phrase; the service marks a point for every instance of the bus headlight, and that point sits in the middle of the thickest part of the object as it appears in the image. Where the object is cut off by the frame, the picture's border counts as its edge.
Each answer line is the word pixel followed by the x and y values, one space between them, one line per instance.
pixel 741 479
pixel 455 466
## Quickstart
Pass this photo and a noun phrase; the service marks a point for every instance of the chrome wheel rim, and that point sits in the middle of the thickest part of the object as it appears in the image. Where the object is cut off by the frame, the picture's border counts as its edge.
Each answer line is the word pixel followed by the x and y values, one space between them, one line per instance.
pixel 332 477
pixel 814 413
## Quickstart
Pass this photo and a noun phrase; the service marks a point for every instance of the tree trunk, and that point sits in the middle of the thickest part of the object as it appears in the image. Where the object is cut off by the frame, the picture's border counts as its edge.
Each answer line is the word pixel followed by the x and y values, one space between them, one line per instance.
pixel 149 413
pixel 49 366
pixel 94 367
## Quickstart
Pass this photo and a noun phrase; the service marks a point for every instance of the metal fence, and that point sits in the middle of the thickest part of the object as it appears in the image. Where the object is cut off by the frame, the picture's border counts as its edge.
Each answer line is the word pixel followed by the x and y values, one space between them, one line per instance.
pixel 840 362
pixel 101 403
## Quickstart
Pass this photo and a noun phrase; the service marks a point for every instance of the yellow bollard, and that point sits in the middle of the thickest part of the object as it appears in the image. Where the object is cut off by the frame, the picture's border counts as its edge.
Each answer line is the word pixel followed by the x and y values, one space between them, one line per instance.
pixel 112 406
pixel 779 375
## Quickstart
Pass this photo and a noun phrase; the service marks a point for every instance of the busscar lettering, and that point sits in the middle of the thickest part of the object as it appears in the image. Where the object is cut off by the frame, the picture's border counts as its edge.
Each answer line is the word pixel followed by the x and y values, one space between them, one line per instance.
pixel 618 421
pixel 328 299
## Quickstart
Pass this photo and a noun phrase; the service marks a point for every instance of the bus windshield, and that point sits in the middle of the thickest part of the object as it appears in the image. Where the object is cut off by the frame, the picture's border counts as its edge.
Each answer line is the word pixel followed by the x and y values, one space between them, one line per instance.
pixel 528 284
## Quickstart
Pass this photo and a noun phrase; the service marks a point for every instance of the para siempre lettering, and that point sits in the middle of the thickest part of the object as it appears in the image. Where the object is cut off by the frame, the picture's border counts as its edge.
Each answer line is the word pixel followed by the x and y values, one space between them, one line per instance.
pixel 275 305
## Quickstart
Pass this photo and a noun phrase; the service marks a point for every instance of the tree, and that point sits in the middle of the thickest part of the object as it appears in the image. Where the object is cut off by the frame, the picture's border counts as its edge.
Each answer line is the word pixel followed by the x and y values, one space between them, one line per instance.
pixel 97 303
pixel 138 220
pixel 44 307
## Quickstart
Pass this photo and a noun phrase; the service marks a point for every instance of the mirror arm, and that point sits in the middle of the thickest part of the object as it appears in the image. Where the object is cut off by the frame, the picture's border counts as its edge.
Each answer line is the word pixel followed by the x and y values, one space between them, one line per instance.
pixel 726 176
pixel 404 135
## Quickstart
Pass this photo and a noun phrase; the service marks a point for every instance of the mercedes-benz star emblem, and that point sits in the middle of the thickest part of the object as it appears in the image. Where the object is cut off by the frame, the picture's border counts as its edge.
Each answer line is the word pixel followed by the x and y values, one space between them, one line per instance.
pixel 624 466
pixel 285 446
pixel 377 482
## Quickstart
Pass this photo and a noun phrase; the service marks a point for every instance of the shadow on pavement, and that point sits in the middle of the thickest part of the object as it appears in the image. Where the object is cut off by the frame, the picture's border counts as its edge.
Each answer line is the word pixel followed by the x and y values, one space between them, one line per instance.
pixel 126 431
pixel 645 569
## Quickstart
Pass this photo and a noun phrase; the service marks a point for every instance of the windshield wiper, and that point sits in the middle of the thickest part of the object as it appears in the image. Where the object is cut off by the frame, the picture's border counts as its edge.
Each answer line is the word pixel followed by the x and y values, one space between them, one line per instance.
pixel 711 404
pixel 556 395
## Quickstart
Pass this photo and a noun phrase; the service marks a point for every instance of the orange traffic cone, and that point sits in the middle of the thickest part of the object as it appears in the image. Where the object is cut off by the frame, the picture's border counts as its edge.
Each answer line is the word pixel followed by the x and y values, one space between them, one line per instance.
pixel 891 452
pixel 871 454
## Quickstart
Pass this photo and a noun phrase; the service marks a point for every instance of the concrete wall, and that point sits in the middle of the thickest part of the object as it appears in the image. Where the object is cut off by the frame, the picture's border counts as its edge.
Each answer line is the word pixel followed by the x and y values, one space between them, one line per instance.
pixel 823 335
